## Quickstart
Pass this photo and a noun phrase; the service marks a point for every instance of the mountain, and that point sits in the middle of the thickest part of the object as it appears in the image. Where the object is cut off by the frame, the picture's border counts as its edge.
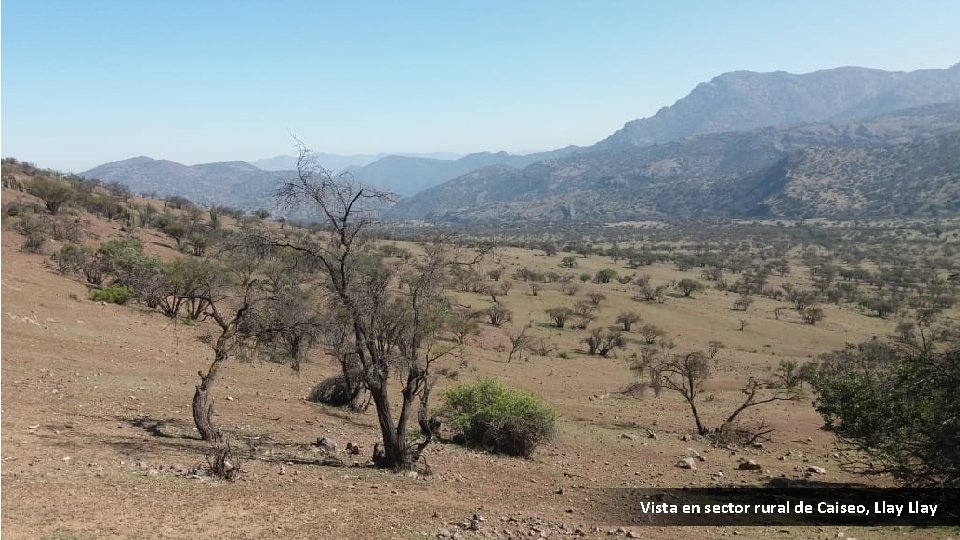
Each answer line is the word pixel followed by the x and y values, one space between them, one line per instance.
pixel 406 175
pixel 244 185
pixel 338 162
pixel 233 183
pixel 733 174
pixel 744 100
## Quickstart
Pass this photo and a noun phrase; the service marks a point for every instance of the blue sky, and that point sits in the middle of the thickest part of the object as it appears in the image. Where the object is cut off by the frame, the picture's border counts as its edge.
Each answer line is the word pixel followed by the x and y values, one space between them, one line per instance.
pixel 85 82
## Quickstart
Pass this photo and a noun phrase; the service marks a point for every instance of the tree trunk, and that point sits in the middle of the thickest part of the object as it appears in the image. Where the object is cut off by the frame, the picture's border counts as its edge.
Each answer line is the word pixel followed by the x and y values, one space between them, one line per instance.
pixel 701 429
pixel 203 415
pixel 202 401
pixel 395 452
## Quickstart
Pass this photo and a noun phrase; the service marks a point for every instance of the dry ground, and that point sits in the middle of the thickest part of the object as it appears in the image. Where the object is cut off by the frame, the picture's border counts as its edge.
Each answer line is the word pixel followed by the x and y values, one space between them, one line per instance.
pixel 98 441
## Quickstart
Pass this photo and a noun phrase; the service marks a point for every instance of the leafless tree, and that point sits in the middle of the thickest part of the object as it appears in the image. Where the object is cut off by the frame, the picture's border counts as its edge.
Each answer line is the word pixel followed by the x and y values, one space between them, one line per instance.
pixel 686 373
pixel 391 316
pixel 519 341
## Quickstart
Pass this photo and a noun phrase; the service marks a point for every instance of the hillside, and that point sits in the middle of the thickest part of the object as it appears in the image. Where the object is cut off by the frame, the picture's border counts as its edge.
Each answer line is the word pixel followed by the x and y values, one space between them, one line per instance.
pixel 725 174
pixel 744 100
pixel 234 183
pixel 244 185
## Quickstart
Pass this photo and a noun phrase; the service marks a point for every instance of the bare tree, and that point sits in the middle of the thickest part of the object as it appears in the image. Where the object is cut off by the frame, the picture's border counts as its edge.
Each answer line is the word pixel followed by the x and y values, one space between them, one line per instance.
pixel 392 317
pixel 686 373
pixel 519 341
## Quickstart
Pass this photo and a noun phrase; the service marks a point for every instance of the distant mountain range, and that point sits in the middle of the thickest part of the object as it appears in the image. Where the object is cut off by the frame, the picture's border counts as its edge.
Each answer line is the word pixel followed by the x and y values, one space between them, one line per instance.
pixel 901 163
pixel 244 185
pixel 338 162
pixel 843 142
pixel 744 100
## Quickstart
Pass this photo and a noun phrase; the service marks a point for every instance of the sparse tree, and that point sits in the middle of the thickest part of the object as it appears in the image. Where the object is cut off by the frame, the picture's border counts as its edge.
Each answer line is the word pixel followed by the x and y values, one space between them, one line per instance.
pixel 560 315
pixel 603 341
pixel 689 286
pixel 626 320
pixel 686 373
pixel 568 262
pixel 519 341
pixel 54 193
pixel 391 319
pixel 596 298
pixel 812 315
pixel 650 332
pixel 463 324
pixel 497 314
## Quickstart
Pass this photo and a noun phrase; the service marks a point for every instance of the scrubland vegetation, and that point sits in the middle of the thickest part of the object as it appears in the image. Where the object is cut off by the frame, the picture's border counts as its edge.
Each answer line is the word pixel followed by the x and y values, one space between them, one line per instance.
pixel 431 344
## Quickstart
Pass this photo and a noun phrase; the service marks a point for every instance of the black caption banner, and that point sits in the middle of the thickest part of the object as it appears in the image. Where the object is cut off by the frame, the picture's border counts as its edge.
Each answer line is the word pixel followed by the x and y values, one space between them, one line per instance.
pixel 847 506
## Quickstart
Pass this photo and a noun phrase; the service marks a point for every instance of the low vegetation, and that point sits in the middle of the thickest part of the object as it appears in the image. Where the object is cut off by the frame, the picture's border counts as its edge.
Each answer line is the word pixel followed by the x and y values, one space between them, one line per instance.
pixel 490 416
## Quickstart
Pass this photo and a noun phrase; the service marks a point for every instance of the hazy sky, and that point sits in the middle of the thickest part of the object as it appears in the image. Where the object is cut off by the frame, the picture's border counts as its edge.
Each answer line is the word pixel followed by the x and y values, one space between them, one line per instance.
pixel 84 82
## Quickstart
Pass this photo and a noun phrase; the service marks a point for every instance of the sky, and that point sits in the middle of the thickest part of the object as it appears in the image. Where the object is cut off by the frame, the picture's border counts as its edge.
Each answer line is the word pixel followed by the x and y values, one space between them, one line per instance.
pixel 89 82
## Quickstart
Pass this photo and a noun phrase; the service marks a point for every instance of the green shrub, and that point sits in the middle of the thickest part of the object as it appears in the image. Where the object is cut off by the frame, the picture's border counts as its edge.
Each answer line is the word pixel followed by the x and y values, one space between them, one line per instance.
pixel 115 294
pixel 35 241
pixel 503 420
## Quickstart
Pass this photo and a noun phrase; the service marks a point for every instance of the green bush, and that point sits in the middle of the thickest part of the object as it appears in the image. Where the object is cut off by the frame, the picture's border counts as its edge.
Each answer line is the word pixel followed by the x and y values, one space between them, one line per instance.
pixel 115 294
pixel 500 419
pixel 897 405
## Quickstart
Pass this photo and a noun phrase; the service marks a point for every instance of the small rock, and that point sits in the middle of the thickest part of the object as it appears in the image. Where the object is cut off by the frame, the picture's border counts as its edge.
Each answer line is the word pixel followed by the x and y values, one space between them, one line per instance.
pixel 687 463
pixel 816 470
pixel 631 534
pixel 327 444
pixel 627 436
pixel 353 449
pixel 749 465
pixel 443 533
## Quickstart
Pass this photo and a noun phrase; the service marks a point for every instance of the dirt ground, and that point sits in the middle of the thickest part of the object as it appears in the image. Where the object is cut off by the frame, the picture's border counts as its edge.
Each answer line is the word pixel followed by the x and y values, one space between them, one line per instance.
pixel 98 441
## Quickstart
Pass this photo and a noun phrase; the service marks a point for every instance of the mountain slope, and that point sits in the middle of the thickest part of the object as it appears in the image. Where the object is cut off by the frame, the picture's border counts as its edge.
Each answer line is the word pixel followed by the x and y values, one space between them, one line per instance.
pixel 233 183
pixel 405 175
pixel 339 162
pixel 744 100
pixel 722 174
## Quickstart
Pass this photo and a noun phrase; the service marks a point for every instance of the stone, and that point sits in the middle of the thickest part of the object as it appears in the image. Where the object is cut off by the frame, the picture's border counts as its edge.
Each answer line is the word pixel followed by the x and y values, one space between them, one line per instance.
pixel 816 470
pixel 749 465
pixel 328 444
pixel 687 463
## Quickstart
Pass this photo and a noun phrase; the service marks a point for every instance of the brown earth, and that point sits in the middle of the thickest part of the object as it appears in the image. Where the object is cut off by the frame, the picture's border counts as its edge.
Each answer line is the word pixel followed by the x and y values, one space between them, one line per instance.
pixel 98 441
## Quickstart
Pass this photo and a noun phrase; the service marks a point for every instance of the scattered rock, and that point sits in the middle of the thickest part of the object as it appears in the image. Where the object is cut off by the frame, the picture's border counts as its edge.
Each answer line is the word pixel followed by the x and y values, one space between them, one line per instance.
pixel 353 449
pixel 627 436
pixel 816 470
pixel 687 463
pixel 749 465
pixel 325 443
